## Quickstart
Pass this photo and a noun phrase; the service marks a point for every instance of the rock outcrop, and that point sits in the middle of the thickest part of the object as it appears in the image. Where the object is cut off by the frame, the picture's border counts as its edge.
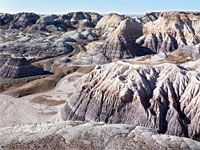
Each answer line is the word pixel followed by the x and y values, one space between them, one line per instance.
pixel 170 31
pixel 129 28
pixel 23 20
pixel 50 23
pixel 19 67
pixel 148 17
pixel 163 97
pixel 121 44
pixel 109 23
pixel 82 19
pixel 90 136
pixel 5 18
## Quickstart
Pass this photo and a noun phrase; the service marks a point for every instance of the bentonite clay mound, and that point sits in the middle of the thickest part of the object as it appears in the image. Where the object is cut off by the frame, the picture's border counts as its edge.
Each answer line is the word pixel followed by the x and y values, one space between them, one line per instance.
pixel 170 31
pixel 121 44
pixel 121 47
pixel 109 23
pixel 18 68
pixel 163 97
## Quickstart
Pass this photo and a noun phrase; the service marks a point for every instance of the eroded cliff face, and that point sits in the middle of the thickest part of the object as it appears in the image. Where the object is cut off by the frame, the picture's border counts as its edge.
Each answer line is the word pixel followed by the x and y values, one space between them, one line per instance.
pixel 170 31
pixel 163 97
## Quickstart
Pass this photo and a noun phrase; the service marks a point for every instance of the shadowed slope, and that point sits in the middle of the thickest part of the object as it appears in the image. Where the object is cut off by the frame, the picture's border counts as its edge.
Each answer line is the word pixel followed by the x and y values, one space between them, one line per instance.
pixel 19 68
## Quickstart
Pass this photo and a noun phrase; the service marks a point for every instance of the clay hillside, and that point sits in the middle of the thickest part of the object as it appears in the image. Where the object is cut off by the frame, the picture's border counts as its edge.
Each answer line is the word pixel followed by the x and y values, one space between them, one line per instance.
pixel 163 97
pixel 121 44
pixel 18 67
pixel 170 31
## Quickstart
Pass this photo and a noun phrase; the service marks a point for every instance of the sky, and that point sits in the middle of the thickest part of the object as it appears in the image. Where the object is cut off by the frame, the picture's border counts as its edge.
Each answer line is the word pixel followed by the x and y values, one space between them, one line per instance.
pixel 100 6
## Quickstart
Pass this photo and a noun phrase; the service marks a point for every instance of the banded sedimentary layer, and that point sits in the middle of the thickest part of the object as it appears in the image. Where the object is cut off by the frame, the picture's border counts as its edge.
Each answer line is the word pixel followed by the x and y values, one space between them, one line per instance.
pixel 163 97
pixel 170 31
pixel 121 44
pixel 18 67
pixel 109 23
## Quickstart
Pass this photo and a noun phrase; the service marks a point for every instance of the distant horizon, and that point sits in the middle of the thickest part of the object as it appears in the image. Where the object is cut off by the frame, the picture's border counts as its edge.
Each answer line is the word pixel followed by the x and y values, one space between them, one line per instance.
pixel 127 7
pixel 103 14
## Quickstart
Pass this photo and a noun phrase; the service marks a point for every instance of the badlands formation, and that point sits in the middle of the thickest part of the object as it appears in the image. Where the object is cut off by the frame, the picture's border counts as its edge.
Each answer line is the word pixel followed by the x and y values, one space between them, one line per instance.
pixel 19 67
pixel 28 33
pixel 170 31
pixel 163 97
pixel 109 23
pixel 121 44
pixel 114 82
